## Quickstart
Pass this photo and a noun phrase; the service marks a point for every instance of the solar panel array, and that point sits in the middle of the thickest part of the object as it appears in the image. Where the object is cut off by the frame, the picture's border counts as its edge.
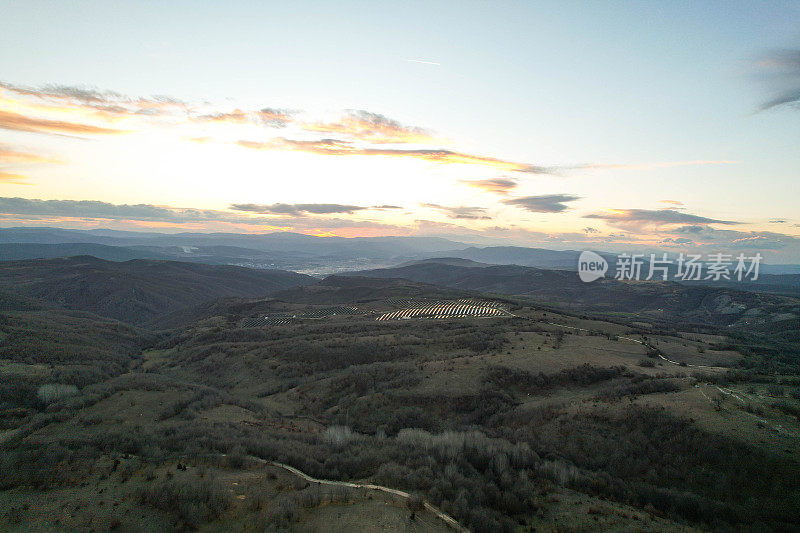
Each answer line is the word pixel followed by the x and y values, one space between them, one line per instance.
pixel 278 319
pixel 453 309
pixel 272 320
pixel 410 302
pixel 326 312
pixel 411 308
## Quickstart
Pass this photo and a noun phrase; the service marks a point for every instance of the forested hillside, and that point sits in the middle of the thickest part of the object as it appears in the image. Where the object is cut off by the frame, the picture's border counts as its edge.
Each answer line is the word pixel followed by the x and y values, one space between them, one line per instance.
pixel 137 291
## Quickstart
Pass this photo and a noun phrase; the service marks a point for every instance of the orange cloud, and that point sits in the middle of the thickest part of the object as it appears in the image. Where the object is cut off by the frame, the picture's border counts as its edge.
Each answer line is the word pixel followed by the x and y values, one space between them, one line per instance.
pixel 176 217
pixel 108 104
pixel 8 154
pixel 234 117
pixel 371 127
pixel 14 121
pixel 495 185
pixel 461 212
pixel 16 179
pixel 198 140
pixel 267 116
pixel 340 148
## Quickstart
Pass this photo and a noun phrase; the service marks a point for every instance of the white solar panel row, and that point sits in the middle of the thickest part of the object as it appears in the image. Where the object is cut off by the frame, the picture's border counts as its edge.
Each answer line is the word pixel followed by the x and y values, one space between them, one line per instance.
pixel 461 310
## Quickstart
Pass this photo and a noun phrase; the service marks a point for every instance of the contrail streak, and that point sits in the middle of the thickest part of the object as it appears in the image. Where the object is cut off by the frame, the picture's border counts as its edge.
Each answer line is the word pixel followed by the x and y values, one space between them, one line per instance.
pixel 424 62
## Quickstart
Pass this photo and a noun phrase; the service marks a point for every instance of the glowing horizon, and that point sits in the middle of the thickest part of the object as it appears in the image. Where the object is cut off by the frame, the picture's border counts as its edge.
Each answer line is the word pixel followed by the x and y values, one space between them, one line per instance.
pixel 350 154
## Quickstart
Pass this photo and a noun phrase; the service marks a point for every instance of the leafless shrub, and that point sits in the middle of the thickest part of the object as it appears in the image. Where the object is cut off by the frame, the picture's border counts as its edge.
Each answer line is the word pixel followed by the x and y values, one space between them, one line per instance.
pixel 559 472
pixel 452 444
pixel 754 409
pixel 776 390
pixel 416 503
pixel 338 436
pixel 52 392
pixel 787 408
pixel 194 500
pixel 237 457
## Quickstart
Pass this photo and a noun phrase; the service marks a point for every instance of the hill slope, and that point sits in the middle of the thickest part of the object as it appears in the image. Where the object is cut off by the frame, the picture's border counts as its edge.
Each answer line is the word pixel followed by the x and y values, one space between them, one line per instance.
pixel 353 289
pixel 138 291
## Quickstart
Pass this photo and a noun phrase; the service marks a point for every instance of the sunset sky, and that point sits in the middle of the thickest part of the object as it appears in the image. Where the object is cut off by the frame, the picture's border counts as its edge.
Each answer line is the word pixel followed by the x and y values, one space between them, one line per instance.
pixel 630 125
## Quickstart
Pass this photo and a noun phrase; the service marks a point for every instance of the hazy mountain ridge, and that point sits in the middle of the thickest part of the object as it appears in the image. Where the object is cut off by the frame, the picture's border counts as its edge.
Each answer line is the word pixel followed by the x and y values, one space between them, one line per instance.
pixel 308 254
pixel 21 251
pixel 275 242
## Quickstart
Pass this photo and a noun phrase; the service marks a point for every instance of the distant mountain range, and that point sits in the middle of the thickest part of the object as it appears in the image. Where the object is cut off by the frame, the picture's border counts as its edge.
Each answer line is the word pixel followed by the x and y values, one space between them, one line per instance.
pixel 288 251
pixel 562 259
pixel 281 250
pixel 25 250
pixel 271 242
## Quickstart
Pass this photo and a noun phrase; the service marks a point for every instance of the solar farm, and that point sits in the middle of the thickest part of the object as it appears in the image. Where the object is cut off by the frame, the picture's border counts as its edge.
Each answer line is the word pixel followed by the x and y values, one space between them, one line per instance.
pixel 447 309
pixel 403 309
pixel 279 319
pixel 326 312
pixel 276 319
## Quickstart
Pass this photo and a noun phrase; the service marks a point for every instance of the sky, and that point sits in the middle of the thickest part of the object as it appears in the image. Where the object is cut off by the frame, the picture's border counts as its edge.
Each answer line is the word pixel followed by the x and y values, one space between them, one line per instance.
pixel 605 125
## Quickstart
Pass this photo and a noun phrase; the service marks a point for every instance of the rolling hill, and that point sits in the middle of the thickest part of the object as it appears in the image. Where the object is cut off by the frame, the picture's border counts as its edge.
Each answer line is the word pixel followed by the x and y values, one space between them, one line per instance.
pixel 219 419
pixel 656 301
pixel 354 289
pixel 137 291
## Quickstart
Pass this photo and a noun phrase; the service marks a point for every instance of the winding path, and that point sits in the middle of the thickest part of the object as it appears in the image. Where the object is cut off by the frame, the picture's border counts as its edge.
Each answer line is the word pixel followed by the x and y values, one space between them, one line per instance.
pixel 658 352
pixel 446 518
